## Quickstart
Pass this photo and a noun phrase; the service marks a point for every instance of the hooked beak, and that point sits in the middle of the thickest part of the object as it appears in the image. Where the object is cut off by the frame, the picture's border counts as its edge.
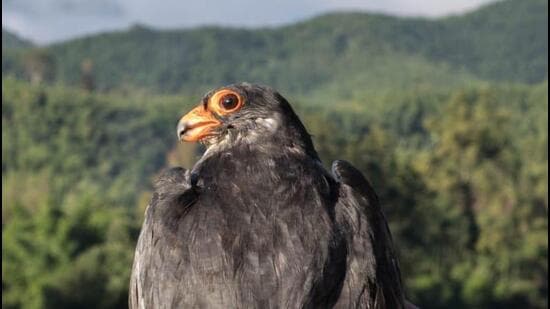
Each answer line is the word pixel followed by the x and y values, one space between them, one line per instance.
pixel 196 125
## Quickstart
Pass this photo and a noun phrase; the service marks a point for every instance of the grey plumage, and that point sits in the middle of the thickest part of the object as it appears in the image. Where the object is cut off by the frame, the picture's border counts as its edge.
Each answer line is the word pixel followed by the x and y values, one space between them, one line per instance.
pixel 259 223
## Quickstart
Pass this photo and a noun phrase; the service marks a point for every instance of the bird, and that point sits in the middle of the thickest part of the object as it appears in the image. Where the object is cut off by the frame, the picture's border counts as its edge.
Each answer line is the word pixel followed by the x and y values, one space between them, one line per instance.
pixel 258 221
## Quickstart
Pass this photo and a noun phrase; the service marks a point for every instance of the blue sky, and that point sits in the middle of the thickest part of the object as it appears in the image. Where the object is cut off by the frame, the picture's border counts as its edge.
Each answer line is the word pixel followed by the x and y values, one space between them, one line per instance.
pixel 45 21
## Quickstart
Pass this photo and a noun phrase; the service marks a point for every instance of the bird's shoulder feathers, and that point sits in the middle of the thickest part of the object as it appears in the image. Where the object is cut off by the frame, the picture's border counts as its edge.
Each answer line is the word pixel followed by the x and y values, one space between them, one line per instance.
pixel 373 278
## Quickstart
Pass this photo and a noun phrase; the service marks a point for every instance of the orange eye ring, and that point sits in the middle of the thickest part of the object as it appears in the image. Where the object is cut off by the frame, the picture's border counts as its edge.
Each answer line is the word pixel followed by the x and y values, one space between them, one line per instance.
pixel 225 101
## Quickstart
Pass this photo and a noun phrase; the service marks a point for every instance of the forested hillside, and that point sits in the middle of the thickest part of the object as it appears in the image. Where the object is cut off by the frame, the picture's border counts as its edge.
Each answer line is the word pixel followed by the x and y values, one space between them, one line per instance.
pixel 463 177
pixel 447 117
pixel 342 53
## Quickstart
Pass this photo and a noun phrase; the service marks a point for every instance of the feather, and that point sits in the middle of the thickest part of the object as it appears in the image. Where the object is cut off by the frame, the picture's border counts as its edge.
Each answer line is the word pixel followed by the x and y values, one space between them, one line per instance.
pixel 373 277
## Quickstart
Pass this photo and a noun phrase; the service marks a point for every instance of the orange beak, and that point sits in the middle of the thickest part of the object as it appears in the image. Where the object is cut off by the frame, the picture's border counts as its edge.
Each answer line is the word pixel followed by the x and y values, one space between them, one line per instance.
pixel 197 124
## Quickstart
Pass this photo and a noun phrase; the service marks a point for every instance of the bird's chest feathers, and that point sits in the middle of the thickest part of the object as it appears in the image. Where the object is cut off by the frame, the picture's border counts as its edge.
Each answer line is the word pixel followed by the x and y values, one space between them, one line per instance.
pixel 260 200
pixel 244 182
pixel 260 219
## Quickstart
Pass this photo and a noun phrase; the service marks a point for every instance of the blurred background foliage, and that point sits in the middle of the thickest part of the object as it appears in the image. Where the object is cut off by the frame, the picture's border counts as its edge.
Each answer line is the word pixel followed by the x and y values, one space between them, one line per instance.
pixel 447 117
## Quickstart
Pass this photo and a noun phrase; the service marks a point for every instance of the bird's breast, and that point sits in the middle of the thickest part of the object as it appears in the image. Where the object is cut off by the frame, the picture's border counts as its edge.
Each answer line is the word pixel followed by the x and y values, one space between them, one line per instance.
pixel 257 232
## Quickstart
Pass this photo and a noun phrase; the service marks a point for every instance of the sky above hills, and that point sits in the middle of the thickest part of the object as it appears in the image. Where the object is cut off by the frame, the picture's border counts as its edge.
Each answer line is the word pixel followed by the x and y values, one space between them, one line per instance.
pixel 46 21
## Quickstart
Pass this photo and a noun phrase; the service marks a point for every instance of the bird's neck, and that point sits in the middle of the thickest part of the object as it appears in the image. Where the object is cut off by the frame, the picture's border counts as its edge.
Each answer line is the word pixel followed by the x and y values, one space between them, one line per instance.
pixel 275 154
pixel 253 172
pixel 270 137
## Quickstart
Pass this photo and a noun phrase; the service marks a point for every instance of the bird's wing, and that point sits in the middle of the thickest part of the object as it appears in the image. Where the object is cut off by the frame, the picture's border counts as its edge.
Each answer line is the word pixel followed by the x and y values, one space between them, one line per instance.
pixel 373 278
pixel 173 186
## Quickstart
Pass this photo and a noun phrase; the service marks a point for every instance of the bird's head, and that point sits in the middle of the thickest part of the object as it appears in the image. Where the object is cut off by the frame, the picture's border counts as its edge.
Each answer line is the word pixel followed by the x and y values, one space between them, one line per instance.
pixel 244 113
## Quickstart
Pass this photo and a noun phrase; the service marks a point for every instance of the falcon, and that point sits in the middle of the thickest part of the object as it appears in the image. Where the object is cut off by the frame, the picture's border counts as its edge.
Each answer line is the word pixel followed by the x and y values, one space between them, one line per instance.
pixel 258 222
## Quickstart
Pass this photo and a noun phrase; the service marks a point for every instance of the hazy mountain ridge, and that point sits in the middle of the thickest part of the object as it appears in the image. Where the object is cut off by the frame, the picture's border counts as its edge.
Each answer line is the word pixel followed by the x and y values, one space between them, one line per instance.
pixel 342 52
pixel 11 40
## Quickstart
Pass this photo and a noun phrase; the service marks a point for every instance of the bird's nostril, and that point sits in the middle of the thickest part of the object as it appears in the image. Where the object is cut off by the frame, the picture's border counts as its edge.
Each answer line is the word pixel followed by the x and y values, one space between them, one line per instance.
pixel 181 130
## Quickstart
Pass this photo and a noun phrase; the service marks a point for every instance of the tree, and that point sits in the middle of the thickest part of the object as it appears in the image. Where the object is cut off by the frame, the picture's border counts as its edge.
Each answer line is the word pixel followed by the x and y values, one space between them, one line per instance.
pixel 39 66
pixel 497 240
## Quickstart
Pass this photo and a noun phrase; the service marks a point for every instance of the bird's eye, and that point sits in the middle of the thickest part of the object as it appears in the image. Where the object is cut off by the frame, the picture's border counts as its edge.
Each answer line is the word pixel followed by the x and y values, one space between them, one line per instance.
pixel 225 101
pixel 229 102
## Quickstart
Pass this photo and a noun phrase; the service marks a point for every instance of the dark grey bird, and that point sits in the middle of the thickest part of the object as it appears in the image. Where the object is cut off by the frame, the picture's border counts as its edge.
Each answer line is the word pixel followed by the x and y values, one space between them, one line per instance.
pixel 258 222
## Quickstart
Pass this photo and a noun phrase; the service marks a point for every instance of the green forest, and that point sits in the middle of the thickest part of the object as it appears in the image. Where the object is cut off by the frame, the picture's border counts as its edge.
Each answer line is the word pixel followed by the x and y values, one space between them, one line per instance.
pixel 447 117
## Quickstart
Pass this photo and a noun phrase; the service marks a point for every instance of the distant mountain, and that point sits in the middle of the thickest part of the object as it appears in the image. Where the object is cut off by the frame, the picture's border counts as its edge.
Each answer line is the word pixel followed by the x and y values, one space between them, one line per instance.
pixel 340 53
pixel 507 40
pixel 12 41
